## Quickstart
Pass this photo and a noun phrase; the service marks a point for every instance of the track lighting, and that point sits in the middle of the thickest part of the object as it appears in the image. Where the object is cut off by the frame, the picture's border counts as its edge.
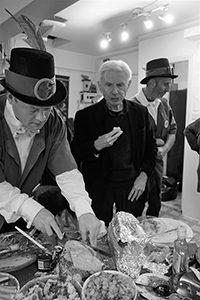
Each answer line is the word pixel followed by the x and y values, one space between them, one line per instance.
pixel 136 13
pixel 124 34
pixel 106 40
pixel 148 23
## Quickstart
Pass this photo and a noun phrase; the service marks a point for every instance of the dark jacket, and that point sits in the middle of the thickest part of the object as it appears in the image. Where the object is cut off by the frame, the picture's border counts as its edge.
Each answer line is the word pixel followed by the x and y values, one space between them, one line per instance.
pixel 89 124
pixel 50 149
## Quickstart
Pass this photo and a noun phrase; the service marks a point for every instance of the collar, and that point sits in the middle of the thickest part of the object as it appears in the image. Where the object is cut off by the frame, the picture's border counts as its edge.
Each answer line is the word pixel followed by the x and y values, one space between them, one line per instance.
pixel 123 111
pixel 12 121
pixel 143 100
pixel 16 127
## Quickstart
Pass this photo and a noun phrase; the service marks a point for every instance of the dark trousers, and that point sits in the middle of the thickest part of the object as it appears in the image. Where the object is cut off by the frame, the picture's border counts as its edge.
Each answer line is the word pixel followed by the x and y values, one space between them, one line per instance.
pixel 154 202
pixel 117 192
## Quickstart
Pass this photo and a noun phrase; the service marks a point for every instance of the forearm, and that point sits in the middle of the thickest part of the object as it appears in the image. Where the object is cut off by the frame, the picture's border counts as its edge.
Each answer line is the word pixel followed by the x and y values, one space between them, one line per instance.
pixel 169 142
pixel 73 189
pixel 14 204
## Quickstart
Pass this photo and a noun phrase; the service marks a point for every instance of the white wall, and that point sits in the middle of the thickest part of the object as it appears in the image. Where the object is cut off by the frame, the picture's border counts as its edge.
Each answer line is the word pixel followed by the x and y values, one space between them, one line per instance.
pixel 177 48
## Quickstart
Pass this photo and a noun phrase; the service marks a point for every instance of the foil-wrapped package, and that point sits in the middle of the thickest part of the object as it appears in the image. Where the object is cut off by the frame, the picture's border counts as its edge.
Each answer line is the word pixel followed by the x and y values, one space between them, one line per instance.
pixel 127 240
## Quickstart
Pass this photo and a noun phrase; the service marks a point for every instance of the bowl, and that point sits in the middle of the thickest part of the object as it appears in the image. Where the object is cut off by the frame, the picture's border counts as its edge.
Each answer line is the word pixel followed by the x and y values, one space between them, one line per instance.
pixel 9 285
pixel 102 284
pixel 48 283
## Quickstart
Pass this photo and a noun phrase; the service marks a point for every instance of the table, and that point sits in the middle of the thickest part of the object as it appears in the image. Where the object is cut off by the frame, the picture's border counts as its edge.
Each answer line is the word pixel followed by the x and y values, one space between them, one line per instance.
pixel 26 274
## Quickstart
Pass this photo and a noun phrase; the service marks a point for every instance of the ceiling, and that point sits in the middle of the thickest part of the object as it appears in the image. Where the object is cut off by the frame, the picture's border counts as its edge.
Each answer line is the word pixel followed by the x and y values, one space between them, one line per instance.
pixel 89 20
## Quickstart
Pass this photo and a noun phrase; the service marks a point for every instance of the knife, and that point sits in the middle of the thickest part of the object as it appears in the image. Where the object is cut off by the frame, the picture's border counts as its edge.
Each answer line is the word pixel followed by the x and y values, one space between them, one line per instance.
pixel 105 253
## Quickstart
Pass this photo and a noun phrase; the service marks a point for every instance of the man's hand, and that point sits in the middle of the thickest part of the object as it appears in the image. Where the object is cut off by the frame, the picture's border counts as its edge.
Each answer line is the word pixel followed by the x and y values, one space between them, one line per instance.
pixel 138 187
pixel 89 226
pixel 108 139
pixel 45 222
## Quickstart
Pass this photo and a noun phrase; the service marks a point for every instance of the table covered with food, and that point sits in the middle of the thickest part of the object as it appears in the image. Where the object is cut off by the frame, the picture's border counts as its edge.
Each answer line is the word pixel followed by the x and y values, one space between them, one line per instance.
pixel 132 260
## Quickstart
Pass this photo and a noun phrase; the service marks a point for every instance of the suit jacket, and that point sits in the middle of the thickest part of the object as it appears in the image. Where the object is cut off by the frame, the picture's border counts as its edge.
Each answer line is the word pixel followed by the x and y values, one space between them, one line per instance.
pixel 89 124
pixel 50 149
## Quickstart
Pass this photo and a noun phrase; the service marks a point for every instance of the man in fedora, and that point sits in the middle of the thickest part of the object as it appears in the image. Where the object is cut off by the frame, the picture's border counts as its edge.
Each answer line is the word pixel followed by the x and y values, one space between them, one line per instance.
pixel 32 137
pixel 159 75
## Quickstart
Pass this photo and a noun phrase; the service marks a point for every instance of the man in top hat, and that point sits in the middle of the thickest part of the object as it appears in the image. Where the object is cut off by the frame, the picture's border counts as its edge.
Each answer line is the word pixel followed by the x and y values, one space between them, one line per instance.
pixel 159 75
pixel 32 137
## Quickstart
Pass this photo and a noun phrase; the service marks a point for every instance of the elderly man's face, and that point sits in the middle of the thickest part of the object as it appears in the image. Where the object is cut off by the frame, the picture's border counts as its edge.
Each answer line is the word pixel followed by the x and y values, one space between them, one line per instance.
pixel 32 117
pixel 162 86
pixel 114 86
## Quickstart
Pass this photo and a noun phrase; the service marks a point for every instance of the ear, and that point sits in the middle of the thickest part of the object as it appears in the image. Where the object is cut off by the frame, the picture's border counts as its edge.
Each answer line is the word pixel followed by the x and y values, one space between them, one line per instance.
pixel 129 83
pixel 10 98
pixel 152 82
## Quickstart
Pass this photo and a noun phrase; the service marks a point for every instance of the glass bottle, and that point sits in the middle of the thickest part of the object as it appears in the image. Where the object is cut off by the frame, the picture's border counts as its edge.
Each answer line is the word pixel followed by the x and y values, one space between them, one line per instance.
pixel 180 254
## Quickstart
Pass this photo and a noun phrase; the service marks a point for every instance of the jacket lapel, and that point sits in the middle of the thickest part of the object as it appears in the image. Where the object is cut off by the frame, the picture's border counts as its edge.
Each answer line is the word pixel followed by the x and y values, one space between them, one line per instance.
pixel 36 149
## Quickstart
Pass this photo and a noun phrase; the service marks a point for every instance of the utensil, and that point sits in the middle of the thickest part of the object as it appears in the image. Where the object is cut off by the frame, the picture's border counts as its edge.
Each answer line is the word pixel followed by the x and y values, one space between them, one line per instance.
pixel 161 233
pixel 98 250
pixel 163 290
pixel 33 241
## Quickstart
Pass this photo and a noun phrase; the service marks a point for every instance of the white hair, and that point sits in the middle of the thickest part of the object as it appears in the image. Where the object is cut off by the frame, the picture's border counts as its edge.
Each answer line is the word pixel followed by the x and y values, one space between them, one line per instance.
pixel 115 65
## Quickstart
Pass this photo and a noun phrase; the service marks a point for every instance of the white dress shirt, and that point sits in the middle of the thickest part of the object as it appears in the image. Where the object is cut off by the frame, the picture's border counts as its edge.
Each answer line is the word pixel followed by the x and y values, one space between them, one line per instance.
pixel 14 204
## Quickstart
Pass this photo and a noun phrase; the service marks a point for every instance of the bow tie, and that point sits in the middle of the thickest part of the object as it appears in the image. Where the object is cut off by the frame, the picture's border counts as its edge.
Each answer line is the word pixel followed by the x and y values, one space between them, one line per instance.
pixel 23 130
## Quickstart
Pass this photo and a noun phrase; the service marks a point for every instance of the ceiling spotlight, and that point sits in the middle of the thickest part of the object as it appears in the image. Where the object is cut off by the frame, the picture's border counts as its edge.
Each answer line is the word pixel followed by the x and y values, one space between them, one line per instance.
pixel 148 23
pixel 168 18
pixel 124 34
pixel 106 40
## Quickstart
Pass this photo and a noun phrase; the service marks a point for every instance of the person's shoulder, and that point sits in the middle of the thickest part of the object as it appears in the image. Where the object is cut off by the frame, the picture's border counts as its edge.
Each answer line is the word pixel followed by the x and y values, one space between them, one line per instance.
pixel 136 104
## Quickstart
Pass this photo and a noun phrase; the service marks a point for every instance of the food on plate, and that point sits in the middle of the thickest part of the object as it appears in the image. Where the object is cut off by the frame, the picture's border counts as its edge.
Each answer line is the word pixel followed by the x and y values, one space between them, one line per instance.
pixel 49 288
pixel 152 226
pixel 17 262
pixel 109 285
pixel 148 281
pixel 156 253
pixel 82 256
pixel 9 285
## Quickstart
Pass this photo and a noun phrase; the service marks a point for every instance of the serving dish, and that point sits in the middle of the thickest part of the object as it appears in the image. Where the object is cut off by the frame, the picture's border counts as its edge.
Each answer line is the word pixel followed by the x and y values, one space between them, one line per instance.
pixel 50 286
pixel 145 283
pixel 9 285
pixel 109 284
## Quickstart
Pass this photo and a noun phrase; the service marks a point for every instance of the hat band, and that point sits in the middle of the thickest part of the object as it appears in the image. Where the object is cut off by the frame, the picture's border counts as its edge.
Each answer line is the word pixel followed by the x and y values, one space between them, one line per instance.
pixel 160 71
pixel 42 89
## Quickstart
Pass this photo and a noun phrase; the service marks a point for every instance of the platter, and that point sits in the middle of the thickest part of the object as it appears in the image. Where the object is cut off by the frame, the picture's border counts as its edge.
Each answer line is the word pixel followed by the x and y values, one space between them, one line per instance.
pixel 17 262
pixel 150 279
pixel 168 238
pixel 16 251
pixel 153 225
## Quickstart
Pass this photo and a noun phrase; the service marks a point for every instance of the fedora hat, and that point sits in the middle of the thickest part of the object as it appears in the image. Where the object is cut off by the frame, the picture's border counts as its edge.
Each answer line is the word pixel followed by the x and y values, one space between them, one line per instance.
pixel 31 78
pixel 159 67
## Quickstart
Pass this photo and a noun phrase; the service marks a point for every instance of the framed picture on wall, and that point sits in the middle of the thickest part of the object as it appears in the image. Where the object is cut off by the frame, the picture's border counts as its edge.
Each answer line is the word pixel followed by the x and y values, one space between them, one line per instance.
pixel 64 105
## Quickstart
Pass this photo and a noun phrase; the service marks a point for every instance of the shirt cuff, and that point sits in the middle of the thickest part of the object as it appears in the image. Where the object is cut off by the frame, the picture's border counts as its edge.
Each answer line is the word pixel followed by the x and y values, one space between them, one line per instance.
pixel 29 209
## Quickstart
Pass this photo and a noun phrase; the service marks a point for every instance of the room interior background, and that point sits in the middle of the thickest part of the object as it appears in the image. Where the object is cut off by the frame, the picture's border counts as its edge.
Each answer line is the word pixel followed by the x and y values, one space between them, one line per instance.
pixel 182 47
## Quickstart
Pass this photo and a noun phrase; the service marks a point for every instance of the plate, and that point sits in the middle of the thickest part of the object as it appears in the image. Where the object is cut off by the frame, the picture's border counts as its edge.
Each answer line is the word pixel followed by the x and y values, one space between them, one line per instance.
pixel 148 279
pixel 153 225
pixel 9 285
pixel 17 262
pixel 109 282
pixel 168 238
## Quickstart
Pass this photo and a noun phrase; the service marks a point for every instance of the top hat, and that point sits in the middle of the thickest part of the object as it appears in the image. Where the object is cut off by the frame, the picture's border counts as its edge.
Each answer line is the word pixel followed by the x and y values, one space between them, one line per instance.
pixel 31 79
pixel 158 68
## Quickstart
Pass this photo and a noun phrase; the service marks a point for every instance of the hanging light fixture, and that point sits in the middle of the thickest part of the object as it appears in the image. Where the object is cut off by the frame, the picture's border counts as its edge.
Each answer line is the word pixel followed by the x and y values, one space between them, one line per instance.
pixel 167 18
pixel 148 23
pixel 124 34
pixel 106 40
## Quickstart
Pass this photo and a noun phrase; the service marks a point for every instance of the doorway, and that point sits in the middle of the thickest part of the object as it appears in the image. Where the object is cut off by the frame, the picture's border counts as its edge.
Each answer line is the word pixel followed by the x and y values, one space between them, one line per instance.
pixel 178 102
